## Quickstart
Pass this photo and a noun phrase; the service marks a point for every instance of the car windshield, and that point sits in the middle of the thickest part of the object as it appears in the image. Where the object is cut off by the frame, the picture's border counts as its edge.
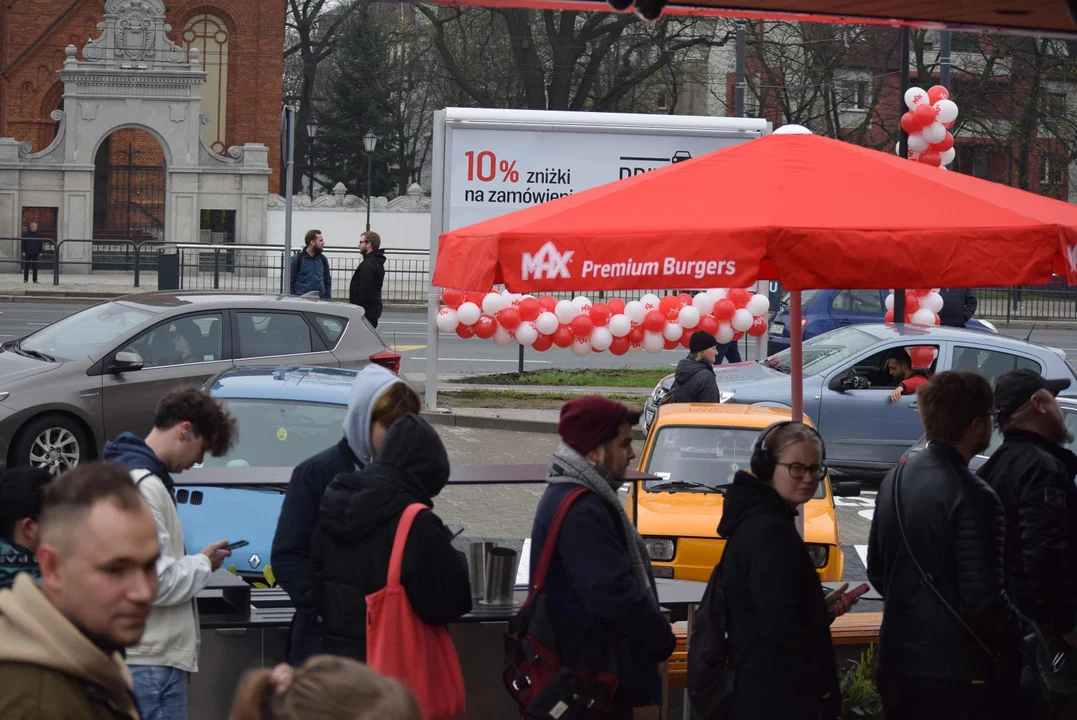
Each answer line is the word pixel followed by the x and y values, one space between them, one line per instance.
pixel 86 332
pixel 806 297
pixel 704 454
pixel 823 352
pixel 275 433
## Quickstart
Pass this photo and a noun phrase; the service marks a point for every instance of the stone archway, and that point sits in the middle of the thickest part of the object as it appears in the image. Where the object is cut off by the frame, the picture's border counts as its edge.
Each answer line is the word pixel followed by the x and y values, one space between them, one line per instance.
pixel 130 187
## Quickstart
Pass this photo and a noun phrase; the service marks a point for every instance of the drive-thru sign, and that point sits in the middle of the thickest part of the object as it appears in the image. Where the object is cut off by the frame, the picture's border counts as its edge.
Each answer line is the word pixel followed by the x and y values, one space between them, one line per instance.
pixel 491 162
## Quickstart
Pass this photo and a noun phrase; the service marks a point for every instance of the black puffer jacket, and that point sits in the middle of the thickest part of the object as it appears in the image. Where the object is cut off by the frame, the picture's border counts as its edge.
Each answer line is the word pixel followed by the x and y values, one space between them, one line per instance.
pixel 958 307
pixel 694 382
pixel 955 524
pixel 365 287
pixel 353 540
pixel 779 627
pixel 1034 479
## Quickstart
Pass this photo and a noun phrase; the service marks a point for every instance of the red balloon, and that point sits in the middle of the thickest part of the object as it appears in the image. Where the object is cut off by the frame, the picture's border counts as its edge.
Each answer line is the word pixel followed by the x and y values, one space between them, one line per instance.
pixel 922 356
pixel 949 124
pixel 724 310
pixel 910 124
pixel 617 306
pixel 453 298
pixel 759 327
pixel 510 318
pixel 737 336
pixel 530 308
pixel 563 336
pixel 922 291
pixel 635 335
pixel 925 115
pixel 889 316
pixel 485 327
pixel 654 321
pixel 582 325
pixel 475 297
pixel 670 307
pixel 931 157
pixel 685 299
pixel 464 331
pixel 709 323
pixel 600 314
pixel 686 338
pixel 938 320
pixel 672 344
pixel 739 297
pixel 937 93
pixel 945 145
pixel 619 346
pixel 912 303
pixel 543 343
pixel 548 303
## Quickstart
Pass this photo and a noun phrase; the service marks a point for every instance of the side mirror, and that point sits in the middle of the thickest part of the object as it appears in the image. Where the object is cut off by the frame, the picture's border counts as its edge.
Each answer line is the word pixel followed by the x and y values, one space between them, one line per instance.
pixel 126 361
pixel 846 488
pixel 841 383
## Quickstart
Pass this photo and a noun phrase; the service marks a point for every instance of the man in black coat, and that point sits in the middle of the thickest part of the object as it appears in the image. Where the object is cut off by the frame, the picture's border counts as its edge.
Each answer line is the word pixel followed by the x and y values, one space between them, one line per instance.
pixel 31 251
pixel 694 380
pixel 934 663
pixel 365 287
pixel 1034 477
pixel 958 307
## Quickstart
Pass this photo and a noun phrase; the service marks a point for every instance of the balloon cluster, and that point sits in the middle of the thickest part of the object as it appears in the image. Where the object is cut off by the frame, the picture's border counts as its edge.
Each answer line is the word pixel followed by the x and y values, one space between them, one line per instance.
pixel 931 114
pixel 922 307
pixel 650 323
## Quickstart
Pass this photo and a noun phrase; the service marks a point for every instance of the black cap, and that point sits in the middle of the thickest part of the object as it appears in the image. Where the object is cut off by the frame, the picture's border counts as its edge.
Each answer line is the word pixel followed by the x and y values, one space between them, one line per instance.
pixel 701 340
pixel 1015 388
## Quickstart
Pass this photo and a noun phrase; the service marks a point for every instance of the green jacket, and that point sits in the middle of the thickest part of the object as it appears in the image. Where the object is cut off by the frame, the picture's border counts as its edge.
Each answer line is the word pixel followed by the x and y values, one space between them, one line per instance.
pixel 15 559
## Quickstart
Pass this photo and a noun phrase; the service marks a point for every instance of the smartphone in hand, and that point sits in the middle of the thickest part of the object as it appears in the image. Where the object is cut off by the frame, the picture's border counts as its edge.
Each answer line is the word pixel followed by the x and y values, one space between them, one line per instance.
pixel 857 592
pixel 236 545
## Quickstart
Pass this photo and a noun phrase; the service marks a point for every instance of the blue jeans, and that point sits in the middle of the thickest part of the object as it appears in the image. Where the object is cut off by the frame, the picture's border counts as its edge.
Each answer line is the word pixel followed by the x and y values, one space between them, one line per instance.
pixel 161 692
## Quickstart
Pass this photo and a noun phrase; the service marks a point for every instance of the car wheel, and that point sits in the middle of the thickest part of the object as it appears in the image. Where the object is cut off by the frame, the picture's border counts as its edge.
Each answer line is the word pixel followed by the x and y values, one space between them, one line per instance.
pixel 53 442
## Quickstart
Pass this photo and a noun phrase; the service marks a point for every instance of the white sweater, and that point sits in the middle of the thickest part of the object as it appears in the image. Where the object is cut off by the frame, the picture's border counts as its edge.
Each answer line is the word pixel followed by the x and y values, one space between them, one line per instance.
pixel 171 638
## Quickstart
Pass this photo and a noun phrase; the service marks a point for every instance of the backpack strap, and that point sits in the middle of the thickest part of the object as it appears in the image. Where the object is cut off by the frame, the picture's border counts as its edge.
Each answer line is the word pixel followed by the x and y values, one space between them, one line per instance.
pixel 538 582
pixel 402 529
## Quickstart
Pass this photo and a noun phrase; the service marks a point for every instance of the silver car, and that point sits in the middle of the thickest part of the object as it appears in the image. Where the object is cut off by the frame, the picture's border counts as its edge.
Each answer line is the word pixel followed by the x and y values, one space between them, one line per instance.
pixel 847 386
pixel 68 387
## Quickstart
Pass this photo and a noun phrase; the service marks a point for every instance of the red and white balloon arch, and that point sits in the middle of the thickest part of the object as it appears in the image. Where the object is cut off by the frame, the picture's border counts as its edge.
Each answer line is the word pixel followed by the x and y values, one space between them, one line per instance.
pixel 651 323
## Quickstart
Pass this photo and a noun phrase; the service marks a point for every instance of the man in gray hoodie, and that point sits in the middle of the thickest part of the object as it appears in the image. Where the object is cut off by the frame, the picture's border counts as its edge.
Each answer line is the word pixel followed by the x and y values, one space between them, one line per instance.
pixel 378 398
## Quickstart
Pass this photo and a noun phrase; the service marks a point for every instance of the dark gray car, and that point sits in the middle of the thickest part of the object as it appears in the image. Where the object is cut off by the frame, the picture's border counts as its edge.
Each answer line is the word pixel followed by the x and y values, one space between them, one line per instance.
pixel 847 386
pixel 68 387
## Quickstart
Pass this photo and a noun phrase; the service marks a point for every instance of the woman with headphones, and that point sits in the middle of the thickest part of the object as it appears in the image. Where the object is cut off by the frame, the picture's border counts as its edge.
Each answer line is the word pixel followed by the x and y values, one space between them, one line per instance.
pixel 779 617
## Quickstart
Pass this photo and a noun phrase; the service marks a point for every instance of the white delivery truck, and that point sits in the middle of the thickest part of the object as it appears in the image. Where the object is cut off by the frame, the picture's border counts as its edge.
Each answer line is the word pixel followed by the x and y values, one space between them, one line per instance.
pixel 491 162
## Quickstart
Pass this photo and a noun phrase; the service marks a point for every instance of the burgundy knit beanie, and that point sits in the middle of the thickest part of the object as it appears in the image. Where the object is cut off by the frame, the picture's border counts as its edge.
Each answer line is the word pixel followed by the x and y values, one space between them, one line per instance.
pixel 588 421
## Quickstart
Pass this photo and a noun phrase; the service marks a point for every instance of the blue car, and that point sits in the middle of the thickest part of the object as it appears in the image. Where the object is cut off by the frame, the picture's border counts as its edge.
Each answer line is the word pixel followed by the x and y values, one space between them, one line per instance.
pixel 285 415
pixel 826 310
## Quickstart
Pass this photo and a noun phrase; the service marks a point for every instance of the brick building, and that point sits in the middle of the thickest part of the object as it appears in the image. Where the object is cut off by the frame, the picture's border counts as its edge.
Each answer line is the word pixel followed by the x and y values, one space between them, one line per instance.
pixel 241 46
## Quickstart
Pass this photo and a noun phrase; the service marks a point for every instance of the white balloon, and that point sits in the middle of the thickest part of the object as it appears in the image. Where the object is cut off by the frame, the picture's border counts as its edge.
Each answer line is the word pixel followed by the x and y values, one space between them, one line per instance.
pixel 620 325
pixel 923 316
pixel 527 333
pixel 725 333
pixel 918 143
pixel 601 339
pixel 547 323
pixel 689 317
pixel 915 96
pixel 447 319
pixel 932 301
pixel 792 130
pixel 703 303
pixel 493 303
pixel 934 133
pixel 582 302
pixel 565 311
pixel 889 303
pixel 947 111
pixel 468 313
pixel 653 341
pixel 650 302
pixel 742 320
pixel 502 336
pixel 948 156
pixel 758 305
pixel 635 312
pixel 581 346
pixel 672 331
pixel 716 294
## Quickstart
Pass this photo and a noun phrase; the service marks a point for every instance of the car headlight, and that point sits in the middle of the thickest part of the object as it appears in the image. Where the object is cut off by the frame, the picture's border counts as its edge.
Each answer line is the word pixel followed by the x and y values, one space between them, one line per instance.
pixel 819 554
pixel 725 395
pixel 661 549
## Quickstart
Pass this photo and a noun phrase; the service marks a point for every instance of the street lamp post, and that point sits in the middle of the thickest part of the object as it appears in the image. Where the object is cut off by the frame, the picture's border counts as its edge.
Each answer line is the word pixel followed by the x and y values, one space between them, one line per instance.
pixel 370 141
pixel 312 132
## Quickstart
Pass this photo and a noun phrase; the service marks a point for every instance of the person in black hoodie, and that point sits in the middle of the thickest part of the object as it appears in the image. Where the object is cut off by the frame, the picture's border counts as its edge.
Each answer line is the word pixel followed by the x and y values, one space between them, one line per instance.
pixel 779 616
pixel 354 538
pixel 365 287
pixel 31 251
pixel 694 381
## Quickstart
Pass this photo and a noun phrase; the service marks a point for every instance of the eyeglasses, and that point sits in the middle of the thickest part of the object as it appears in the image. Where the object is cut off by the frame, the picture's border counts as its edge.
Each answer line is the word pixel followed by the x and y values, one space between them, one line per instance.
pixel 798 470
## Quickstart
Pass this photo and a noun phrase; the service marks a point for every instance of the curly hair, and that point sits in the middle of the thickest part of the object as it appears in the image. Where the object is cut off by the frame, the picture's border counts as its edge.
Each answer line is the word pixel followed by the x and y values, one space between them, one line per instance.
pixel 208 418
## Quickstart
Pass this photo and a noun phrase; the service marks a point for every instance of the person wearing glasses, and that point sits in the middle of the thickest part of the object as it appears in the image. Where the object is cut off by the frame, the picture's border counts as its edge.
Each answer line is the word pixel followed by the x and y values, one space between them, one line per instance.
pixel 365 287
pixel 779 616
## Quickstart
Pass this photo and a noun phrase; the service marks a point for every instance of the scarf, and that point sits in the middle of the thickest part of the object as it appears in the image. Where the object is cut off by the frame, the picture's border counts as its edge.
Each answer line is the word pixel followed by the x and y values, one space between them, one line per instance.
pixel 568 466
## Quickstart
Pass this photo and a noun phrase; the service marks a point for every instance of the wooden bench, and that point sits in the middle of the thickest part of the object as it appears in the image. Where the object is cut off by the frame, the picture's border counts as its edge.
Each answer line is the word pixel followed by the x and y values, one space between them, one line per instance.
pixel 851 630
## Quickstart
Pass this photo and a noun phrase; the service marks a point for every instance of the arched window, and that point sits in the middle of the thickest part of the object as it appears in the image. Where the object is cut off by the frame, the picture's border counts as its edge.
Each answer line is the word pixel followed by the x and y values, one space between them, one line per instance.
pixel 209 34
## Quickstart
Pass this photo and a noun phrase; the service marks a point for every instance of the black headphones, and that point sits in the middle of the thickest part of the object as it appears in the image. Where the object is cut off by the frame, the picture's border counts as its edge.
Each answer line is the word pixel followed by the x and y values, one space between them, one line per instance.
pixel 764 462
